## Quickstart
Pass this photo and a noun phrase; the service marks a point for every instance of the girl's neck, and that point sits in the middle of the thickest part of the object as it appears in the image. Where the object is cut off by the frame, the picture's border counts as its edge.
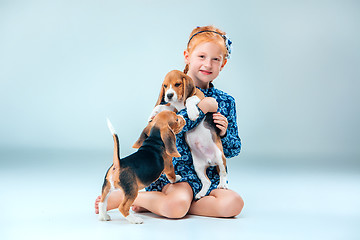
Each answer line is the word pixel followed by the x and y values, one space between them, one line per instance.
pixel 200 84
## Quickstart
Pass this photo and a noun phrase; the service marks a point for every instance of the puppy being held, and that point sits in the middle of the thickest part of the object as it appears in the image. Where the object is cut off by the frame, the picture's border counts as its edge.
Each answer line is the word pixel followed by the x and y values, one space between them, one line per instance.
pixel 157 146
pixel 177 92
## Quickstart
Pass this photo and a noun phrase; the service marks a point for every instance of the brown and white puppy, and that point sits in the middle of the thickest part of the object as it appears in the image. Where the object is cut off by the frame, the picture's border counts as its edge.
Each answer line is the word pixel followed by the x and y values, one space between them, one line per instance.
pixel 157 146
pixel 206 150
pixel 177 92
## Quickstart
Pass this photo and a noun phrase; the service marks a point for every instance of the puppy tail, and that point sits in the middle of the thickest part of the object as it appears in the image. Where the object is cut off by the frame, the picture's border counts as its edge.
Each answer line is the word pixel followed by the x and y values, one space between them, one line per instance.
pixel 116 157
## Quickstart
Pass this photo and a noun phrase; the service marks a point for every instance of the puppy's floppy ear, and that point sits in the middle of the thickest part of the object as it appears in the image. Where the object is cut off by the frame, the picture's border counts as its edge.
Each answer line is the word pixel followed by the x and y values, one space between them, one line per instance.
pixel 169 139
pixel 161 95
pixel 189 87
pixel 143 136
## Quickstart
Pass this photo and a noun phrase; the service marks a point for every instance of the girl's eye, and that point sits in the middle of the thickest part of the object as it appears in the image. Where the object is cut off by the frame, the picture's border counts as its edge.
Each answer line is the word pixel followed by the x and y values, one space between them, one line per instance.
pixel 177 84
pixel 217 59
pixel 201 56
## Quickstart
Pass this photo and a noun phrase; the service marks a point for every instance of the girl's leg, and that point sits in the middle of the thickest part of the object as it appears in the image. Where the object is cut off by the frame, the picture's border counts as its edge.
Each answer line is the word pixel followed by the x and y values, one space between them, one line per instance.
pixel 173 202
pixel 219 203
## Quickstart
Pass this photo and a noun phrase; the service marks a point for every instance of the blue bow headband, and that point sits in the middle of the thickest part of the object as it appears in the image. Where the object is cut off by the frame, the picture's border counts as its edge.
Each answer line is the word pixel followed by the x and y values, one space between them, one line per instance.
pixel 227 40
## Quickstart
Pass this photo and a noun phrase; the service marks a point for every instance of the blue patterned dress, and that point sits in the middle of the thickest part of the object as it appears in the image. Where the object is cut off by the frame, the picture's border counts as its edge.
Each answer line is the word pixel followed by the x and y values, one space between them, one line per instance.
pixel 184 164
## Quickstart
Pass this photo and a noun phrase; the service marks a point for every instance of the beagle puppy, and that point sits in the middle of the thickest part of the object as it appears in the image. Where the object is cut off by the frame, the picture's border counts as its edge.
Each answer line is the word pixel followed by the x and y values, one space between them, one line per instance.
pixel 157 146
pixel 206 150
pixel 178 91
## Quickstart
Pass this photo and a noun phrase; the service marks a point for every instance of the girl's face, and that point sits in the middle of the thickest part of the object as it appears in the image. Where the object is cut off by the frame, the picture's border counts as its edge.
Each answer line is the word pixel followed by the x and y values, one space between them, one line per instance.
pixel 205 63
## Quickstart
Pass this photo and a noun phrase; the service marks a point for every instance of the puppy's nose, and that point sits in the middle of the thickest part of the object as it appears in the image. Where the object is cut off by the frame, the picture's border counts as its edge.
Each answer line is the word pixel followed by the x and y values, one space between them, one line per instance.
pixel 170 95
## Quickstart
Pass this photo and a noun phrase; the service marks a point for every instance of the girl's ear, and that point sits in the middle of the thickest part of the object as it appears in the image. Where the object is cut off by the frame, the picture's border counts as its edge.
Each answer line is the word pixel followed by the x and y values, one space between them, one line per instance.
pixel 186 56
pixel 223 64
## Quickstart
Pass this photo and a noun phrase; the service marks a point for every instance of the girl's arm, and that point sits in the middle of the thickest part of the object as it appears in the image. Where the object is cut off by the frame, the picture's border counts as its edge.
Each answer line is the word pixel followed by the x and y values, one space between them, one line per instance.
pixel 206 105
pixel 231 141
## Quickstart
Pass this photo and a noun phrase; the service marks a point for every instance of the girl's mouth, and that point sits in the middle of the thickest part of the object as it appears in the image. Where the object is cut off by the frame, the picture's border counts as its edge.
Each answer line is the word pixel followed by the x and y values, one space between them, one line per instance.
pixel 205 72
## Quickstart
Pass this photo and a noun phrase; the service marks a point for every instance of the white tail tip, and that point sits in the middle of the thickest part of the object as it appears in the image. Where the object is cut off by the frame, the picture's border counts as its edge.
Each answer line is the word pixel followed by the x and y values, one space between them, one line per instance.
pixel 110 126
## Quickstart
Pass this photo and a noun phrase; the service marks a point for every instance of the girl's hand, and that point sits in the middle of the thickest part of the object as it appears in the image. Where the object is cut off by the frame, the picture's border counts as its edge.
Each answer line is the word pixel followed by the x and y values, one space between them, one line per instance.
pixel 221 123
pixel 208 104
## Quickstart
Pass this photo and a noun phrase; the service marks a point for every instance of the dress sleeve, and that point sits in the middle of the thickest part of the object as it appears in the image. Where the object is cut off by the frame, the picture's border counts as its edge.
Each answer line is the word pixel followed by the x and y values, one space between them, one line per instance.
pixel 231 141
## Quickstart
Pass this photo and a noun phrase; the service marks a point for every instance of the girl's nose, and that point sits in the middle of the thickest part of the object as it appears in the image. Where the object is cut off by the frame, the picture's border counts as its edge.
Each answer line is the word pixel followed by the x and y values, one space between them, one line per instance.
pixel 207 63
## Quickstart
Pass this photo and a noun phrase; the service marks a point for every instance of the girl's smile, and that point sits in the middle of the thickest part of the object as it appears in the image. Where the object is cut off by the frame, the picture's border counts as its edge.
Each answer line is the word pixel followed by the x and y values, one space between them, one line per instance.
pixel 205 72
pixel 205 63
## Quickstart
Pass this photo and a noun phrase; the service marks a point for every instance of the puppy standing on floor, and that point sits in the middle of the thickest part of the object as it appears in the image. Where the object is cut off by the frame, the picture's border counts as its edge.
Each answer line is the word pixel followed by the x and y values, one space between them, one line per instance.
pixel 178 91
pixel 157 146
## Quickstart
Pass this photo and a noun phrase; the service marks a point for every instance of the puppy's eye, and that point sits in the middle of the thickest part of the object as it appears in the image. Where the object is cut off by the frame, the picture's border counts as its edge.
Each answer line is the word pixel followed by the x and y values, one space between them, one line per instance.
pixel 165 86
pixel 177 84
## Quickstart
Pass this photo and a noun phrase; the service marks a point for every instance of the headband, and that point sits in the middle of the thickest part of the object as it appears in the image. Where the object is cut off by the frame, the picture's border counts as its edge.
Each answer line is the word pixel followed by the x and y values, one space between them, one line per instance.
pixel 227 40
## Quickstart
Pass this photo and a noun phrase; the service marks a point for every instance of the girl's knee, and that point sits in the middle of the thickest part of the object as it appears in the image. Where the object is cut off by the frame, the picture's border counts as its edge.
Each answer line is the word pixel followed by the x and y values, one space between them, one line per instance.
pixel 238 205
pixel 176 208
pixel 178 200
pixel 235 206
pixel 231 206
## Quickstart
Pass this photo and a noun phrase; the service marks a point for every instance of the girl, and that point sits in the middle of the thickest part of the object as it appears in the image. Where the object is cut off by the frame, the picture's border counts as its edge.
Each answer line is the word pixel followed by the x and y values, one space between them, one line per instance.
pixel 207 53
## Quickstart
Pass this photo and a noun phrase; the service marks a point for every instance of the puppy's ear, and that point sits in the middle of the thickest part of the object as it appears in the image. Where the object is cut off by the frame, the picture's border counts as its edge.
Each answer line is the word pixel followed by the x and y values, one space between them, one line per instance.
pixel 189 86
pixel 143 136
pixel 161 96
pixel 169 139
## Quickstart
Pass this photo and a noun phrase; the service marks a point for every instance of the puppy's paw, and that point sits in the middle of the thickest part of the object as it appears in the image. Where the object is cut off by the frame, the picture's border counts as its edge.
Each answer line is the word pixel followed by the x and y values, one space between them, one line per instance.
pixel 191 107
pixel 200 195
pixel 223 183
pixel 134 219
pixel 104 217
pixel 153 114
pixel 193 113
pixel 178 178
pixel 223 186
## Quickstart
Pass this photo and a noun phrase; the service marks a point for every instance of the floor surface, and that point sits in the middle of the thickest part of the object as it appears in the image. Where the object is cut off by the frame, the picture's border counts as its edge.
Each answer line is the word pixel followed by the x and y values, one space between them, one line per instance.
pixel 50 195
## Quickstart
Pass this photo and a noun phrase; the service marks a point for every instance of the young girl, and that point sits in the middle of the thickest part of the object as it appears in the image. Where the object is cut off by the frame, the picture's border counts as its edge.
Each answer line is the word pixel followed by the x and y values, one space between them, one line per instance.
pixel 207 53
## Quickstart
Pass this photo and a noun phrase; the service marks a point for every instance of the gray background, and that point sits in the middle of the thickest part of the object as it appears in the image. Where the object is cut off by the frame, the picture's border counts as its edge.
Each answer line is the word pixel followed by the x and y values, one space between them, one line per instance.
pixel 67 65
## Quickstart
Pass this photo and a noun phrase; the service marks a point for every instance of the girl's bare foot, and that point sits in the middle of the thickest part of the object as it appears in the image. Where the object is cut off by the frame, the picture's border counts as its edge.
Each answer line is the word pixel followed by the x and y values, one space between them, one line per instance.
pixel 134 208
pixel 139 209
pixel 97 204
